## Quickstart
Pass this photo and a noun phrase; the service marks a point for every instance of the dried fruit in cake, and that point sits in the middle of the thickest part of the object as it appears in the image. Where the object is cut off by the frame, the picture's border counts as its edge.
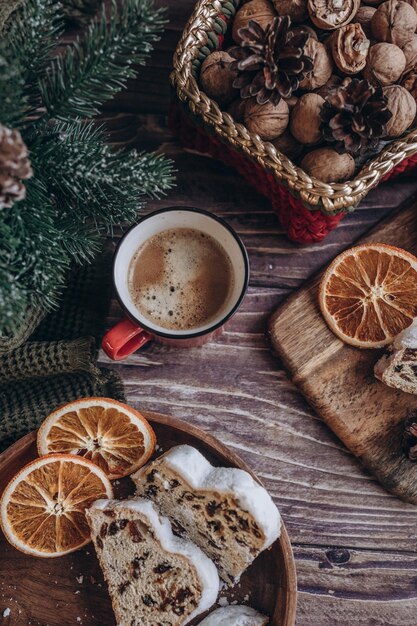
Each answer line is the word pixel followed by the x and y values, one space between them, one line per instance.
pixel 114 436
pixel 153 577
pixel 223 510
pixel 43 507
pixel 398 366
pixel 235 615
pixel 368 295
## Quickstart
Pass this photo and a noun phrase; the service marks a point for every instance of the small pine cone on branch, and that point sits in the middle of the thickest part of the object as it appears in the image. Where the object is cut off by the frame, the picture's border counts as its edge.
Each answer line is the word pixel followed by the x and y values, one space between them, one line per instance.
pixel 354 116
pixel 14 166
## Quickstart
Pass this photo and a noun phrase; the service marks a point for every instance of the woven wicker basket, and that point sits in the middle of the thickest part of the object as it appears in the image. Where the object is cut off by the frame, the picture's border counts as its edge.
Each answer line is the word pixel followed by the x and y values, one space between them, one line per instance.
pixel 308 208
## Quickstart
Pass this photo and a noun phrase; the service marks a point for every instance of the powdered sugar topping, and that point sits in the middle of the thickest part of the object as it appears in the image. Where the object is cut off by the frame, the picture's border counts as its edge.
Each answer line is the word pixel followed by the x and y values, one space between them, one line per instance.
pixel 251 496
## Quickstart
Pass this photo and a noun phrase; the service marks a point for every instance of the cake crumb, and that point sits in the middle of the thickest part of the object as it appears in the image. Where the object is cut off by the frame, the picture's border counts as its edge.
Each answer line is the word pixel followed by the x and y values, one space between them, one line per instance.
pixel 6 612
pixel 79 579
pixel 223 602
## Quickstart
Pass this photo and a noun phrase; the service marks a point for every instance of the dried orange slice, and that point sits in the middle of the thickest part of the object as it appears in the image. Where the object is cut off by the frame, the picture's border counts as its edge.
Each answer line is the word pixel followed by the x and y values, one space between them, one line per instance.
pixel 369 294
pixel 111 434
pixel 42 509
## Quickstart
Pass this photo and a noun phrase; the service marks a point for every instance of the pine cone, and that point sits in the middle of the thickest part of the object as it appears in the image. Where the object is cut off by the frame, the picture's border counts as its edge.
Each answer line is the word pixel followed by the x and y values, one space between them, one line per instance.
pixel 14 166
pixel 270 63
pixel 354 116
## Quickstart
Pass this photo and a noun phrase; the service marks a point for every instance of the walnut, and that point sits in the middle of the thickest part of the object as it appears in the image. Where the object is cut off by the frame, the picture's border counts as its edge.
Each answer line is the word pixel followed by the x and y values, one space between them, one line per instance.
pixel 236 109
pixel 403 108
pixel 296 9
pixel 349 46
pixel 364 17
pixel 328 165
pixel 216 78
pixel 260 10
pixel 374 3
pixel 291 101
pixel 267 120
pixel 289 146
pixel 334 81
pixel 305 119
pixel 306 29
pixel 385 64
pixel 409 82
pixel 331 14
pixel 410 53
pixel 322 65
pixel 394 21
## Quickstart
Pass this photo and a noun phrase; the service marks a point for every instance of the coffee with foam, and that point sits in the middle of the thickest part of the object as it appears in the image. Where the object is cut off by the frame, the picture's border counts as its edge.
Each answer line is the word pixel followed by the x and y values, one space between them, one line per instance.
pixel 181 279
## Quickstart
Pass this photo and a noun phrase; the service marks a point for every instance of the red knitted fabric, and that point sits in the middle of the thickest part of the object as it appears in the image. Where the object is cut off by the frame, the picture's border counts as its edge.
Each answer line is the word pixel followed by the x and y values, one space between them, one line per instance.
pixel 301 224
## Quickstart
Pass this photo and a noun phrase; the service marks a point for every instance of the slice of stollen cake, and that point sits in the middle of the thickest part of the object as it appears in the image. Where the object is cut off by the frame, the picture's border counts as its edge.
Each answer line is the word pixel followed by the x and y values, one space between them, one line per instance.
pixel 237 615
pixel 223 510
pixel 153 577
pixel 398 366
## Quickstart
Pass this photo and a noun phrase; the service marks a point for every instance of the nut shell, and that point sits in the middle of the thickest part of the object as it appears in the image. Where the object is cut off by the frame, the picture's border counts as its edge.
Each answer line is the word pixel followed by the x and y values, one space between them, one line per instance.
pixel 296 9
pixel 266 120
pixel 395 21
pixel 403 108
pixel 334 81
pixel 306 29
pixel 331 14
pixel 236 109
pixel 385 64
pixel 216 78
pixel 328 165
pixel 261 11
pixel 322 65
pixel 410 53
pixel 289 146
pixel 364 17
pixel 305 119
pixel 409 82
pixel 349 46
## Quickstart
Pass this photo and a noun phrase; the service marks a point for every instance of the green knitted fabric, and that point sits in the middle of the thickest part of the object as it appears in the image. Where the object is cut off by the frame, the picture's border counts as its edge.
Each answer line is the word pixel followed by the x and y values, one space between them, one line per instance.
pixel 24 404
pixel 58 362
pixel 45 358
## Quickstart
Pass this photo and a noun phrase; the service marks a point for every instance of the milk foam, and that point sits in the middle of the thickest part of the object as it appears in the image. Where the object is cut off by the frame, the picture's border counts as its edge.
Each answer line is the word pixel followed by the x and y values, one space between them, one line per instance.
pixel 181 279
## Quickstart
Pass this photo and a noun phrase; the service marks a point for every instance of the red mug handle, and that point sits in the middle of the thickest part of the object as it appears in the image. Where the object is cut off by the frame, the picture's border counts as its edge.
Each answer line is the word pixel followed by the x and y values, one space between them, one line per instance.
pixel 124 339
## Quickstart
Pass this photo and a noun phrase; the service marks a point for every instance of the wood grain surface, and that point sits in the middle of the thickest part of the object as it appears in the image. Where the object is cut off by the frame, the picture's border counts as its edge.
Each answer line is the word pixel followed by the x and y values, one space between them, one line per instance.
pixel 354 543
pixel 80 592
pixel 338 380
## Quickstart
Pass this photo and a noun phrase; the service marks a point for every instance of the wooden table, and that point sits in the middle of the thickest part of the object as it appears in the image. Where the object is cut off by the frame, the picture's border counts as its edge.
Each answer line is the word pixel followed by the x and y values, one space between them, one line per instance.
pixel 354 544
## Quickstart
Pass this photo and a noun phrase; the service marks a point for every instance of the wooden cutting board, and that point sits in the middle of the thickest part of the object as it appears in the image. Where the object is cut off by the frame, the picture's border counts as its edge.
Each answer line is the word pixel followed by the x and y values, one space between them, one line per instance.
pixel 338 381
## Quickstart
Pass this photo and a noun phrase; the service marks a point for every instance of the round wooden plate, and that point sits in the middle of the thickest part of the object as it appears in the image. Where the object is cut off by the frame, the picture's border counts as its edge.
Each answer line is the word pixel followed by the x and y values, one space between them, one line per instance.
pixel 70 590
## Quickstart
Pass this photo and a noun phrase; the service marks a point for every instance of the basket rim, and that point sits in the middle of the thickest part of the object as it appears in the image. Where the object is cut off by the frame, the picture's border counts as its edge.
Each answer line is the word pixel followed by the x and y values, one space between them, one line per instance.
pixel 328 197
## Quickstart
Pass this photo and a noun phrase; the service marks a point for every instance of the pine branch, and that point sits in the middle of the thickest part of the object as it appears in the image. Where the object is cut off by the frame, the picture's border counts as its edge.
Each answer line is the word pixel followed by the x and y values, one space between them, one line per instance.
pixel 14 301
pixel 93 182
pixel 80 12
pixel 98 66
pixel 32 264
pixel 13 103
pixel 32 36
